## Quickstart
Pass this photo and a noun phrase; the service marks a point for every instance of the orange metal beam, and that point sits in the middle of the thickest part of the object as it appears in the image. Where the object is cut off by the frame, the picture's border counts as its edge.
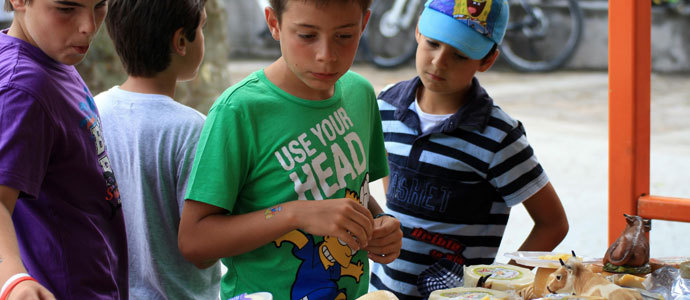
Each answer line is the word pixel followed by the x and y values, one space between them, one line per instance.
pixel 664 208
pixel 629 92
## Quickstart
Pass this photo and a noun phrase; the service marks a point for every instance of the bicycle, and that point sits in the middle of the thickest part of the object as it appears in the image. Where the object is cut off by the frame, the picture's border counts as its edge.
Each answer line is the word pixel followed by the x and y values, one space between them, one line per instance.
pixel 389 39
pixel 526 47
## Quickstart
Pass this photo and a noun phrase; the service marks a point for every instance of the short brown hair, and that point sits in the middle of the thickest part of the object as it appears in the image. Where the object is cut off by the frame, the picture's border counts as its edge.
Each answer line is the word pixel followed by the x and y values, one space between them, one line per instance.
pixel 141 31
pixel 279 5
pixel 491 52
pixel 8 5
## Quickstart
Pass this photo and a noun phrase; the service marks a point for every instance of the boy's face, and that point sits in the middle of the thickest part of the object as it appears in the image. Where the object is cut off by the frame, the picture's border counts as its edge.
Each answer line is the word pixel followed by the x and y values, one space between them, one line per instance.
pixel 195 52
pixel 61 29
pixel 318 44
pixel 444 69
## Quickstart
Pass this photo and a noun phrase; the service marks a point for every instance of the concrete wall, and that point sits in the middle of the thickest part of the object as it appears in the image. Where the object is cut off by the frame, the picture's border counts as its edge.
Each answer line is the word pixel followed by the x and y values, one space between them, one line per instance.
pixel 592 53
pixel 670 36
pixel 670 39
pixel 246 29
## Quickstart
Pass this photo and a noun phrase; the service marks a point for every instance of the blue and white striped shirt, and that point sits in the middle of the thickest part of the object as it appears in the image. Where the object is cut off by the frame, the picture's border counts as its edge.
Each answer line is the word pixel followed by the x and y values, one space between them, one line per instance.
pixel 453 187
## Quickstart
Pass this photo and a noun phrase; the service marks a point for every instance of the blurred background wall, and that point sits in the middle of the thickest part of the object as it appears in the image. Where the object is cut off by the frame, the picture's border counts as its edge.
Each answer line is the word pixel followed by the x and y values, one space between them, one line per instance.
pixel 670 35
pixel 241 23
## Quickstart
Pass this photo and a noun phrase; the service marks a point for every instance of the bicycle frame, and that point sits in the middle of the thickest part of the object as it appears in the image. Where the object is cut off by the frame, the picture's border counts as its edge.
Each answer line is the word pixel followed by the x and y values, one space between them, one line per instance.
pixel 534 15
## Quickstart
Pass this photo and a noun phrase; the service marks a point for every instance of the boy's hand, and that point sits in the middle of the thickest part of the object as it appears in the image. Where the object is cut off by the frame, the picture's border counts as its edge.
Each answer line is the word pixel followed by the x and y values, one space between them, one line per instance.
pixel 386 240
pixel 30 290
pixel 343 218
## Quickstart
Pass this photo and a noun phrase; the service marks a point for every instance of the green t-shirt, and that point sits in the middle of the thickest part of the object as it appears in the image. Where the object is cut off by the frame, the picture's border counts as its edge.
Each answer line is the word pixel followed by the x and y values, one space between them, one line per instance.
pixel 260 147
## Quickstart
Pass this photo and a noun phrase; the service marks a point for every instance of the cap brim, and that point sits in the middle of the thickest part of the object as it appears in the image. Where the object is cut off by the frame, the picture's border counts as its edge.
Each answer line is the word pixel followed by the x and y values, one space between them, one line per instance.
pixel 446 29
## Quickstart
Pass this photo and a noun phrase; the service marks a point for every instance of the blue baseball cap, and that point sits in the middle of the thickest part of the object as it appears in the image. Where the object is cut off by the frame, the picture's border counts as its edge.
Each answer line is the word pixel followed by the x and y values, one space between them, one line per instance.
pixel 471 26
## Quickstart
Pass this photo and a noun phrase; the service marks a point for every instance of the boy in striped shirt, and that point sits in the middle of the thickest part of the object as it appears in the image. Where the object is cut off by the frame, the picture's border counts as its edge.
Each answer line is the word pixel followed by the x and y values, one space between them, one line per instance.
pixel 458 163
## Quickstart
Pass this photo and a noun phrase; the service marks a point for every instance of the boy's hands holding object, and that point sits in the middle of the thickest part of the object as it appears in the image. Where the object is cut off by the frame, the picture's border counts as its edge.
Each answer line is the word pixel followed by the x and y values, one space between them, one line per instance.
pixel 386 240
pixel 343 218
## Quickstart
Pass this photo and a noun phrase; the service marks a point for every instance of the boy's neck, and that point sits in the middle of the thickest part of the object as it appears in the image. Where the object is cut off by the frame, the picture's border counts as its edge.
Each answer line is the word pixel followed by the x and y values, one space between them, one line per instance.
pixel 161 84
pixel 16 30
pixel 438 103
pixel 281 76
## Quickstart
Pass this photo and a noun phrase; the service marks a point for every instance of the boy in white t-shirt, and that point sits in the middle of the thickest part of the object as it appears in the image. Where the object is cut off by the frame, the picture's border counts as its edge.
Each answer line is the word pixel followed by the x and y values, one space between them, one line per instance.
pixel 152 140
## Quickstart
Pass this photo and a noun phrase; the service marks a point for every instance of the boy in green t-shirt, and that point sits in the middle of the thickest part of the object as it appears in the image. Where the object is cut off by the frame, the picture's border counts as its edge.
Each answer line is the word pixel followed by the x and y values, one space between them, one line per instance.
pixel 304 128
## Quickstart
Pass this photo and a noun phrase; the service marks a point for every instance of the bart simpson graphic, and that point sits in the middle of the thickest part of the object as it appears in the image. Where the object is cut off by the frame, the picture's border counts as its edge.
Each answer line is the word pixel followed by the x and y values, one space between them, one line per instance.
pixel 324 263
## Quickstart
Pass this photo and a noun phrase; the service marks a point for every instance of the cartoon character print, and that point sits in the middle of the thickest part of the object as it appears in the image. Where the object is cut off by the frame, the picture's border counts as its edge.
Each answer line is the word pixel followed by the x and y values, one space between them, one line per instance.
pixel 325 262
pixel 92 123
pixel 112 193
pixel 472 12
pixel 475 12
pixel 89 108
pixel 476 7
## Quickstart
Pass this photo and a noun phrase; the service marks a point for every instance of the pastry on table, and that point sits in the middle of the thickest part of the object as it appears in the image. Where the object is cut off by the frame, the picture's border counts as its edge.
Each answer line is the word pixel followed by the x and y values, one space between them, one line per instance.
pixel 465 293
pixel 378 295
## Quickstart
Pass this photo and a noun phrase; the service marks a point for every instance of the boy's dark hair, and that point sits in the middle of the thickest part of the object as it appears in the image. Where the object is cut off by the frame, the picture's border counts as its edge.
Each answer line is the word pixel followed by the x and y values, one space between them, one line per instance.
pixel 491 52
pixel 142 31
pixel 8 5
pixel 279 5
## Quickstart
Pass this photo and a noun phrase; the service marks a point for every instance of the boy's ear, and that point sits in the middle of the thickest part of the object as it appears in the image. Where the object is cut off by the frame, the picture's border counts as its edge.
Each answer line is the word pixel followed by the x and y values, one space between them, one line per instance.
pixel 417 35
pixel 18 5
pixel 365 20
pixel 272 22
pixel 179 42
pixel 489 61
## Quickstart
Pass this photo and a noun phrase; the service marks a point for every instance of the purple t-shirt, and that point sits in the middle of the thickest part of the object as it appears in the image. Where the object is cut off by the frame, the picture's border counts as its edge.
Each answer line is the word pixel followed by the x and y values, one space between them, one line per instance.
pixel 68 218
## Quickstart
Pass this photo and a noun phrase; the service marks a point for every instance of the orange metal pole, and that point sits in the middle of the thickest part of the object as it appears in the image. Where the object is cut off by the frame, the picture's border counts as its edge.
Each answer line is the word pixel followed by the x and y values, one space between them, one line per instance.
pixel 629 92
pixel 664 208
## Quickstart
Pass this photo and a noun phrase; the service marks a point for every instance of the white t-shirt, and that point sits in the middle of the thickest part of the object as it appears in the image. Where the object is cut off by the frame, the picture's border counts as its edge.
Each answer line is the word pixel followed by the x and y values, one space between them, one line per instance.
pixel 427 121
pixel 151 141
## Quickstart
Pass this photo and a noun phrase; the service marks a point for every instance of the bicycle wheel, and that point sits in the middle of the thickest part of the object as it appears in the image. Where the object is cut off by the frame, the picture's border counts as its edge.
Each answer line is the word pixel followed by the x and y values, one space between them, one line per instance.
pixel 541 35
pixel 385 42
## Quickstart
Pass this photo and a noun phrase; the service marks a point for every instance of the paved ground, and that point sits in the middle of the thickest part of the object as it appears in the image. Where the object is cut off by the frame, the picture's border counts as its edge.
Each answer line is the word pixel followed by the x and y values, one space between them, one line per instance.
pixel 566 117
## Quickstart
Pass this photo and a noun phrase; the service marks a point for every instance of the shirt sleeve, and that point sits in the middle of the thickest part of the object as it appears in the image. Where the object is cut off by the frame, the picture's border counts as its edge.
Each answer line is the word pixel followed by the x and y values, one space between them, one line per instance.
pixel 222 158
pixel 377 153
pixel 515 171
pixel 185 160
pixel 26 139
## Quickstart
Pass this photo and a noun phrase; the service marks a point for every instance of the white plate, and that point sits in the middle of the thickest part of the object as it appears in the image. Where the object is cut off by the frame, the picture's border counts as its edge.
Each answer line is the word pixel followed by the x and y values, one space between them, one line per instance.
pixel 531 258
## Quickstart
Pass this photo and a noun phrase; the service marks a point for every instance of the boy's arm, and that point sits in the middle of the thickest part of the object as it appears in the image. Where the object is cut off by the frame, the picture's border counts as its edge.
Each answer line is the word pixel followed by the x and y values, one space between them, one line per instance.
pixel 386 241
pixel 10 263
pixel 10 259
pixel 208 233
pixel 550 221
pixel 385 184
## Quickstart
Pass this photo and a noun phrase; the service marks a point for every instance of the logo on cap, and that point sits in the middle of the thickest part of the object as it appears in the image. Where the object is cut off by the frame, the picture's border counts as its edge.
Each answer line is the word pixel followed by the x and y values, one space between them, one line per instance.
pixel 474 13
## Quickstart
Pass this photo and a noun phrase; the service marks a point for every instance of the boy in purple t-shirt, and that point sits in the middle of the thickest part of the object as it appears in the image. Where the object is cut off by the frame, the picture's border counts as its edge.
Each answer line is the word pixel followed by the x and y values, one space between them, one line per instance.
pixel 62 232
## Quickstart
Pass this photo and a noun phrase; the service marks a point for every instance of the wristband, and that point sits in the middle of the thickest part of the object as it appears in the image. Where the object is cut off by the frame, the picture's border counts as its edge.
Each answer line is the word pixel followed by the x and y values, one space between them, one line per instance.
pixel 12 282
pixel 384 214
